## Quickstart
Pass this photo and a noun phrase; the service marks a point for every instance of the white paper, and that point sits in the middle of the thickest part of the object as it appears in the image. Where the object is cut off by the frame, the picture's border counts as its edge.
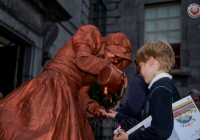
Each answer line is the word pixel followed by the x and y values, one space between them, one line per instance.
pixel 145 123
pixel 186 119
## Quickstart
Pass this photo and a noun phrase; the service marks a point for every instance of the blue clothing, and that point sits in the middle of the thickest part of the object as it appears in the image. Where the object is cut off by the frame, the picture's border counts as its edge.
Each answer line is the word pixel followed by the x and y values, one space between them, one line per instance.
pixel 160 98
pixel 136 98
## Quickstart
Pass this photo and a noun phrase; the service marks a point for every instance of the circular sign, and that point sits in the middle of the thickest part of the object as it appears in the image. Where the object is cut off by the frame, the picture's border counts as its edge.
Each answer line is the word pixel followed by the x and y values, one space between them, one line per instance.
pixel 193 10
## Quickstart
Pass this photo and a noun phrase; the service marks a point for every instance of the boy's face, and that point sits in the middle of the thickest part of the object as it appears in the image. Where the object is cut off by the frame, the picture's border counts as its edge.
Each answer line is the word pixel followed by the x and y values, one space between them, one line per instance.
pixel 147 71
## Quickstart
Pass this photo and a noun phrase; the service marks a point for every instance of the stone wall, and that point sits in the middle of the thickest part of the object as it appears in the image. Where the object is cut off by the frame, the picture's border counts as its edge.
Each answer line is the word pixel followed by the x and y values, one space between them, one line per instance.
pixel 22 19
pixel 128 17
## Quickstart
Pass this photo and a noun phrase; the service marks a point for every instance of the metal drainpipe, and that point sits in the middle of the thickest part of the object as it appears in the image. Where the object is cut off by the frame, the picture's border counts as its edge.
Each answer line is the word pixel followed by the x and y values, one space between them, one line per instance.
pixel 16 66
pixel 104 19
pixel 97 13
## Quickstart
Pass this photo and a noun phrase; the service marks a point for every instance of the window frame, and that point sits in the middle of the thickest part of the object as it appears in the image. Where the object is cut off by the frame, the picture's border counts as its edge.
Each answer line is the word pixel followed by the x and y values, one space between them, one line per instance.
pixel 168 31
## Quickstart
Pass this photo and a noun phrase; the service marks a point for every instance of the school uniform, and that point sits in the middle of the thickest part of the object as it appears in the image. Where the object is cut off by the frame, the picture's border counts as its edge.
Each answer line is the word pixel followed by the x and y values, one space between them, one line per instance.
pixel 162 93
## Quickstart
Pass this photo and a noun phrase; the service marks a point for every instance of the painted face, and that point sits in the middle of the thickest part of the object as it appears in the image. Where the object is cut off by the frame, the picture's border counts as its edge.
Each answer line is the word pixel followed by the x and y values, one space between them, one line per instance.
pixel 146 71
pixel 114 59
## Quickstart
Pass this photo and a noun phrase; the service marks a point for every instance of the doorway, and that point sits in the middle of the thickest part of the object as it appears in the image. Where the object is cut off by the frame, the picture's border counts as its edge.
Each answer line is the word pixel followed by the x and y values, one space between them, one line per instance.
pixel 11 65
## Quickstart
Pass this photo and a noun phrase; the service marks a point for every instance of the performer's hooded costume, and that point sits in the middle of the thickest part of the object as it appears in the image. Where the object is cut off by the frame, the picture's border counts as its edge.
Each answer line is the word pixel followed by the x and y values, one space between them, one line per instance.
pixel 53 105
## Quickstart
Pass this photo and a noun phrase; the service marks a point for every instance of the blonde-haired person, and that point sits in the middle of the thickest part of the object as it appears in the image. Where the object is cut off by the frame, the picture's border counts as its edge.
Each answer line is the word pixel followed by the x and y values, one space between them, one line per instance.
pixel 155 59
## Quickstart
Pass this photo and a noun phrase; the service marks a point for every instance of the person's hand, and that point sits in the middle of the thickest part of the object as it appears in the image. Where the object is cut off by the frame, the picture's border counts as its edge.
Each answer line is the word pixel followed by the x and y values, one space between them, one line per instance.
pixel 111 113
pixel 98 112
pixel 120 135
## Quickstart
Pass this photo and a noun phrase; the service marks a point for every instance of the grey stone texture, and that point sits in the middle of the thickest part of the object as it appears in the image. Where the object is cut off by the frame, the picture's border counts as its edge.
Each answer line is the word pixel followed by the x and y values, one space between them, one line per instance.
pixel 132 24
pixel 114 13
pixel 111 6
pixel 23 20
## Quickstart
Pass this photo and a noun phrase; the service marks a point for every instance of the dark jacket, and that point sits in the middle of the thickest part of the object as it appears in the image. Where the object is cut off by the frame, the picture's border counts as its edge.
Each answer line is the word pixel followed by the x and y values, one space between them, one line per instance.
pixel 160 98
pixel 136 97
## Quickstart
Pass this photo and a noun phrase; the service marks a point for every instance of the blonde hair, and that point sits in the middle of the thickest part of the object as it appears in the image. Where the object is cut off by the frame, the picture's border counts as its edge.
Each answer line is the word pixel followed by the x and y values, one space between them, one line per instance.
pixel 161 51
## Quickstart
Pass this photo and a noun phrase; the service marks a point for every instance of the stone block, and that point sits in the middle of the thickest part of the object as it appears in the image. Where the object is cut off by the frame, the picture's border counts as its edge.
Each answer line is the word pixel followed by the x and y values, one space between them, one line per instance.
pixel 76 22
pixel 26 13
pixel 193 42
pixel 112 28
pixel 129 11
pixel 128 4
pixel 85 9
pixel 195 71
pixel 111 6
pixel 184 57
pixel 118 20
pixel 22 30
pixel 133 37
pixel 112 1
pixel 84 18
pixel 192 86
pixel 63 34
pixel 194 54
pixel 128 26
pixel 182 91
pixel 110 21
pixel 114 13
pixel 129 19
pixel 87 3
pixel 185 69
pixel 71 7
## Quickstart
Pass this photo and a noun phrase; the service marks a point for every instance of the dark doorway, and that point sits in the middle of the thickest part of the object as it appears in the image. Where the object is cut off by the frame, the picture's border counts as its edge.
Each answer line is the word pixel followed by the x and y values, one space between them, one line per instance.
pixel 11 68
pixel 12 50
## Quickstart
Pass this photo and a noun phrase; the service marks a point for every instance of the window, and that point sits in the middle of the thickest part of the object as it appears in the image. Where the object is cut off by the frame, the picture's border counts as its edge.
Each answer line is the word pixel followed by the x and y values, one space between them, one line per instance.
pixel 98 15
pixel 162 22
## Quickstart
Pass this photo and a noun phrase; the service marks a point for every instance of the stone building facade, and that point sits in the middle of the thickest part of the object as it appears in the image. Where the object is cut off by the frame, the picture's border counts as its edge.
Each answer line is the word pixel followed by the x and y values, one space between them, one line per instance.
pixel 30 24
pixel 32 31
pixel 146 20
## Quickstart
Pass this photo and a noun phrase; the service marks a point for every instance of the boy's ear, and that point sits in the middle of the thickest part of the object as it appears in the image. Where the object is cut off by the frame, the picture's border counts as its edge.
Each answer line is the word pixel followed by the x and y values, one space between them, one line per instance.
pixel 151 60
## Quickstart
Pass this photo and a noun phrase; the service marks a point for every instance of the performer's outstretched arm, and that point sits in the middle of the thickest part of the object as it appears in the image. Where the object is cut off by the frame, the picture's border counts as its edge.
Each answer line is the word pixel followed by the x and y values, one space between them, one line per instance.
pixel 90 106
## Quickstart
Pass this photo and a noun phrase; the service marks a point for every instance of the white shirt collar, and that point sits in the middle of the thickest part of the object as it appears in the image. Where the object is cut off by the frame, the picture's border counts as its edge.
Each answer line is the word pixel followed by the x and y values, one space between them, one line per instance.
pixel 159 76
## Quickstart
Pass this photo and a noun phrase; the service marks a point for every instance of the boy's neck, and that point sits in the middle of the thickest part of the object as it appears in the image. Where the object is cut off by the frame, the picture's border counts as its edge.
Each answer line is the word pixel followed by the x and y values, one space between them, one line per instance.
pixel 159 76
pixel 159 72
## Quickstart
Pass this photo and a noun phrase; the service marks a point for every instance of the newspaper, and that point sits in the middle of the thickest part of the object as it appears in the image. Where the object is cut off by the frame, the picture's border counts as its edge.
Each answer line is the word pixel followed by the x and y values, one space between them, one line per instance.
pixel 186 121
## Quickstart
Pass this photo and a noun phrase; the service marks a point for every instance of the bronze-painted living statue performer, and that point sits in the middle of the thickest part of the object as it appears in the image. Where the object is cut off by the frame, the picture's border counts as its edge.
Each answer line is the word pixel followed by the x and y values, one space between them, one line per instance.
pixel 54 104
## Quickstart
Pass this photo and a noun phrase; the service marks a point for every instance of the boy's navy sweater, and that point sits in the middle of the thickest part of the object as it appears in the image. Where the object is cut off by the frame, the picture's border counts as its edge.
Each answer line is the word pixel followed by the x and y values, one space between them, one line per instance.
pixel 160 98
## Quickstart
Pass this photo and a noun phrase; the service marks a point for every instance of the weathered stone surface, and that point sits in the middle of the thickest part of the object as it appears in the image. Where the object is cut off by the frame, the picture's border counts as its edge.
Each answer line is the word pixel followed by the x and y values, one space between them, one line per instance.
pixel 114 13
pixel 113 28
pixel 110 21
pixel 111 6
